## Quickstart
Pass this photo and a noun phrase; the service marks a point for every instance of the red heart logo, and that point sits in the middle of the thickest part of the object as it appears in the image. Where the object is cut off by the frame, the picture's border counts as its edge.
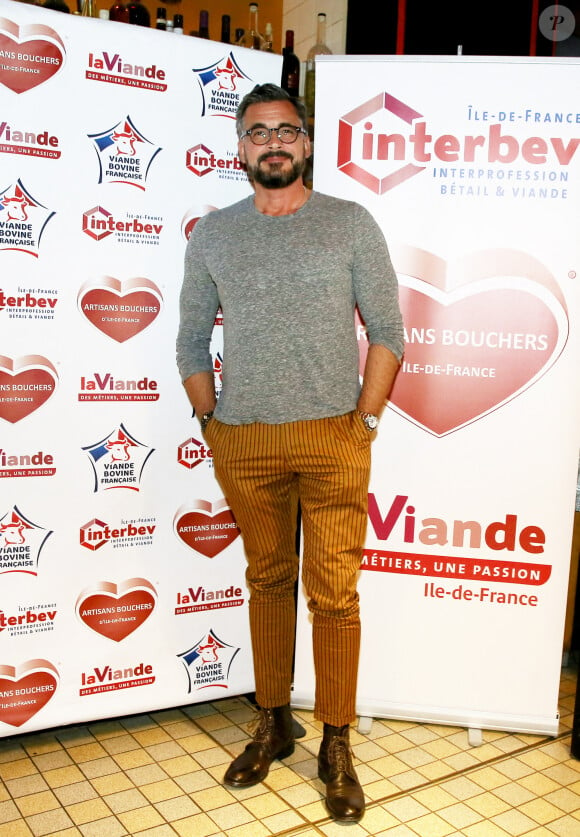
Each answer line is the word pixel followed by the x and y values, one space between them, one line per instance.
pixel 206 530
pixel 473 349
pixel 25 384
pixel 115 611
pixel 32 55
pixel 25 690
pixel 121 309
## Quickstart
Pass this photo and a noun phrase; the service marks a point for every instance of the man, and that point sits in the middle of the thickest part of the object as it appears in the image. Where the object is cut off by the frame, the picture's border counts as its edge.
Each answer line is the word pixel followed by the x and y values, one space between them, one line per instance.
pixel 293 425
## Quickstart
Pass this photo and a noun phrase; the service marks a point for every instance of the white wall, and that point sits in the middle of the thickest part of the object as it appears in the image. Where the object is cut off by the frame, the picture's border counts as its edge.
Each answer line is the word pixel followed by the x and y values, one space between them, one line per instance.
pixel 300 15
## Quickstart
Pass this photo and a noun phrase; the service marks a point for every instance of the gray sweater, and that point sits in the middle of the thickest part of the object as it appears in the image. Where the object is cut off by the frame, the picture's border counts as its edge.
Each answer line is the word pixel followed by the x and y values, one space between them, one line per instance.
pixel 287 287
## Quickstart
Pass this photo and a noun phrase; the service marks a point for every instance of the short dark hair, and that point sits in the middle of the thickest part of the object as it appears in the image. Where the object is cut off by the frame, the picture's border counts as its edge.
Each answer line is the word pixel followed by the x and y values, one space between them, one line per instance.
pixel 268 93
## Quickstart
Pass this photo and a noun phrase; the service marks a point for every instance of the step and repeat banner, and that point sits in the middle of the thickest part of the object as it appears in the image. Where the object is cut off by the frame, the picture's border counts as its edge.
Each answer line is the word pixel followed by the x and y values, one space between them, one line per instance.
pixel 472 168
pixel 121 566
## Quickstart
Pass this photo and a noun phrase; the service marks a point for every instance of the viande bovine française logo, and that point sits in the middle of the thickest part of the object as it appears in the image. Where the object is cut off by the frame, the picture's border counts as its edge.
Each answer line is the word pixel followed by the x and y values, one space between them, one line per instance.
pixel 30 55
pixel 118 460
pixel 21 543
pixel 22 219
pixel 384 142
pixel 125 154
pixel 208 662
pixel 223 84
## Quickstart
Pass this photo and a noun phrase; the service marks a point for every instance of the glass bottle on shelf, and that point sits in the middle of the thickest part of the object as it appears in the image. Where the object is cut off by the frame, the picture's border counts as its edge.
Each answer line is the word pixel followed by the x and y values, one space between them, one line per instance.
pixel 268 38
pixel 239 35
pixel 252 39
pixel 161 20
pixel 178 24
pixel 225 35
pixel 203 31
pixel 138 13
pixel 319 48
pixel 290 66
pixel 89 8
pixel 119 12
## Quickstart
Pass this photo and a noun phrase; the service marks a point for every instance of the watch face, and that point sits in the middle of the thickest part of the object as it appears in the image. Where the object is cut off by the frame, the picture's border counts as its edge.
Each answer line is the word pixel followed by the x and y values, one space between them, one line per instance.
pixel 371 422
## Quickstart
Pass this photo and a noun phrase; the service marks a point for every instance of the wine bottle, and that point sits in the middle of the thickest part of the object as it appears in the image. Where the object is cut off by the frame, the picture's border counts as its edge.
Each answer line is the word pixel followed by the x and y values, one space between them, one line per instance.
pixel 161 21
pixel 319 48
pixel 119 12
pixel 251 39
pixel 225 35
pixel 178 24
pixel 138 13
pixel 290 67
pixel 203 24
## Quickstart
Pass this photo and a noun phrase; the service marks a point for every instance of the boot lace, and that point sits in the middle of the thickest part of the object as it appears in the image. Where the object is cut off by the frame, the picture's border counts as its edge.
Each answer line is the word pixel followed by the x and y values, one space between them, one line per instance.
pixel 261 725
pixel 339 754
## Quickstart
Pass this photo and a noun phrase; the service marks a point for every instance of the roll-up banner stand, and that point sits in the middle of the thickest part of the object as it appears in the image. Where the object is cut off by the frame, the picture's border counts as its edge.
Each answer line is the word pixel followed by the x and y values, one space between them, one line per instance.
pixel 121 566
pixel 472 168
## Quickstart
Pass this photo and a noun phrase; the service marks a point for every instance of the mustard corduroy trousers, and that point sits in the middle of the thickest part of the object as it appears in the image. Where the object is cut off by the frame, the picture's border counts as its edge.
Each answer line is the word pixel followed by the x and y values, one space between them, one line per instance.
pixel 265 471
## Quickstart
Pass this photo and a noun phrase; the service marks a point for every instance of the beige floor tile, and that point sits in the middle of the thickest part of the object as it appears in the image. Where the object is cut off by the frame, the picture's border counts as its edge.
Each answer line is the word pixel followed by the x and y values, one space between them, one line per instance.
pixel 16 829
pixel 514 822
pixel 36 803
pixel 78 792
pixel 541 811
pixel 199 825
pixel 177 808
pixel 26 785
pixel 232 816
pixel 107 827
pixel 111 783
pixel 431 825
pixel 92 809
pixel 179 766
pixel 63 776
pixel 9 811
pixel 48 822
pixel 17 769
pixel 141 818
pixel 265 805
pixel 284 821
pixel 86 752
pixel 52 760
pixel 159 791
pixel 126 800
pixel 460 815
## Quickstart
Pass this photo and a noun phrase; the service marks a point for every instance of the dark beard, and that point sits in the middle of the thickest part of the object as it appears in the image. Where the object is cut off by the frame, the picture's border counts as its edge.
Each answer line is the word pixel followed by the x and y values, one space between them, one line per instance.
pixel 274 178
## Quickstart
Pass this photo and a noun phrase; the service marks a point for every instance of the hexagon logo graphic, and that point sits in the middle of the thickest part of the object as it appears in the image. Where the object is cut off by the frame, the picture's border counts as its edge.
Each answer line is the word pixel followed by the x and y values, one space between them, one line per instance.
pixel 363 148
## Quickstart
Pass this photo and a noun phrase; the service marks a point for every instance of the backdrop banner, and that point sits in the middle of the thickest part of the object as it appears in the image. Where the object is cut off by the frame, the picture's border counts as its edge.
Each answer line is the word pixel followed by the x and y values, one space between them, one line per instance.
pixel 472 168
pixel 121 565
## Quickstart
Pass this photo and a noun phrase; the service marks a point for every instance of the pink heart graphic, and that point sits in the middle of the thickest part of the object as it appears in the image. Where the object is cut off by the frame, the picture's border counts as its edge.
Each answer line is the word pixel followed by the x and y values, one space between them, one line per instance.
pixel 120 309
pixel 115 611
pixel 472 349
pixel 35 53
pixel 25 385
pixel 25 690
pixel 206 531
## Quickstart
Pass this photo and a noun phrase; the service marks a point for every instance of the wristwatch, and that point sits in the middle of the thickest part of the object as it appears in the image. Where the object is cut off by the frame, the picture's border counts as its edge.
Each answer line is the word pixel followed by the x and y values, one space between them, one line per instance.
pixel 203 422
pixel 371 422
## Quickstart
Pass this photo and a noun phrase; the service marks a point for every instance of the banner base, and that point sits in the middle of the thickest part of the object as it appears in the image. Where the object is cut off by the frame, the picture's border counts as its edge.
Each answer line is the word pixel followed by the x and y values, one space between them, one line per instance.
pixel 471 720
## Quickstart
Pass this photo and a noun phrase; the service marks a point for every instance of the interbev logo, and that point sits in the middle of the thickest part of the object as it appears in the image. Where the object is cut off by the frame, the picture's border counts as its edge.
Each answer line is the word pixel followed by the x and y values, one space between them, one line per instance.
pixel 368 145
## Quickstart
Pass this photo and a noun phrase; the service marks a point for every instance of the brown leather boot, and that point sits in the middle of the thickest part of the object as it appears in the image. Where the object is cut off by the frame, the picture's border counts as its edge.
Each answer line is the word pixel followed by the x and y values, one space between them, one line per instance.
pixel 273 739
pixel 344 796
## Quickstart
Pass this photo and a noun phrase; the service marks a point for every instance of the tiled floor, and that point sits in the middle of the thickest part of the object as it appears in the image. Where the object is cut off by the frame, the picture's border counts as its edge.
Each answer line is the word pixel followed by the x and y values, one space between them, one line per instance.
pixel 160 774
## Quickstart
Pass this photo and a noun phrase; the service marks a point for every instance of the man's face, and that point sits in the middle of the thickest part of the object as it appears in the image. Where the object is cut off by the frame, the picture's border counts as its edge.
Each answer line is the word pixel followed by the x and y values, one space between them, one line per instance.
pixel 275 164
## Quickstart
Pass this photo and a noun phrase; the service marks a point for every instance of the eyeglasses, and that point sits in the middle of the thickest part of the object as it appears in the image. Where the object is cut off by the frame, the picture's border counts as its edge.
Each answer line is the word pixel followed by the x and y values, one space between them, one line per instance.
pixel 285 133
